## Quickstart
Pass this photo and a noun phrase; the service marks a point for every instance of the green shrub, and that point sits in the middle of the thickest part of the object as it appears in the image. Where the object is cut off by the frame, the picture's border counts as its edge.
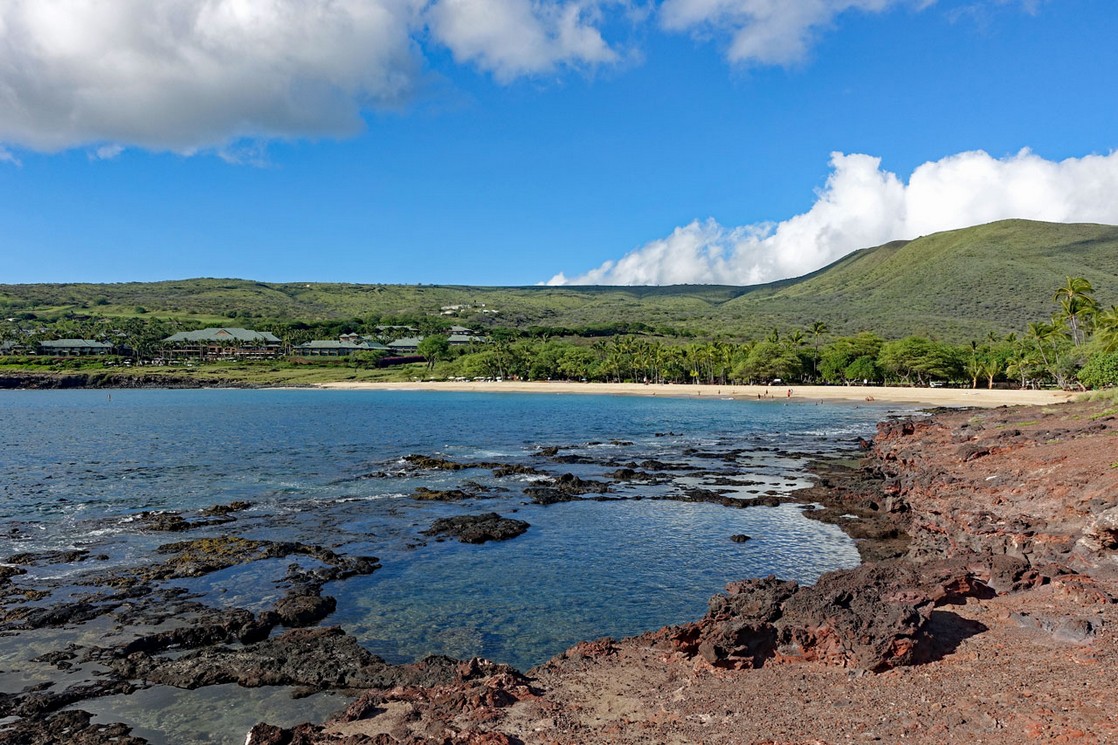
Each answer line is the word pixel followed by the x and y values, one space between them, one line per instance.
pixel 1101 371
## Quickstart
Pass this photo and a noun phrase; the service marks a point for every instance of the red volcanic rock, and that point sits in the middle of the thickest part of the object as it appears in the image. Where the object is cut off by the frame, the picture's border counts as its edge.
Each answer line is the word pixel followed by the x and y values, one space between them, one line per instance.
pixel 1041 490
pixel 872 617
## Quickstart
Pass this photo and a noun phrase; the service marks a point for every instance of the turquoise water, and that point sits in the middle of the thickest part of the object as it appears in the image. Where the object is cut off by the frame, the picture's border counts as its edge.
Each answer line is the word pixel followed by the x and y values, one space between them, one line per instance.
pixel 325 467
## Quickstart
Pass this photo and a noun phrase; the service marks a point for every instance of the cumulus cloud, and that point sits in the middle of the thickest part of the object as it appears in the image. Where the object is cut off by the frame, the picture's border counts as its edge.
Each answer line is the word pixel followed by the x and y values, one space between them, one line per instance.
pixel 766 31
pixel 863 205
pixel 184 74
pixel 511 38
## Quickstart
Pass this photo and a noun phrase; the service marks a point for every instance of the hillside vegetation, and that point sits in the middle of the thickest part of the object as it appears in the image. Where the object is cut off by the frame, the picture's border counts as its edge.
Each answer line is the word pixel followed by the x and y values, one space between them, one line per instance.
pixel 957 285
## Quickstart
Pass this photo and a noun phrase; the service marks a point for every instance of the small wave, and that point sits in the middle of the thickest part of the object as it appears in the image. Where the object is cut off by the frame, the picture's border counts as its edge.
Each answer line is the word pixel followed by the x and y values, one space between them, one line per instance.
pixel 365 498
pixel 99 532
pixel 530 478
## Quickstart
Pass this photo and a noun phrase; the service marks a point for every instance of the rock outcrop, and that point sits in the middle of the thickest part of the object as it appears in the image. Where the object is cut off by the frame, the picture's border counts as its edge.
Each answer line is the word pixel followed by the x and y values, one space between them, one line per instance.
pixel 478 528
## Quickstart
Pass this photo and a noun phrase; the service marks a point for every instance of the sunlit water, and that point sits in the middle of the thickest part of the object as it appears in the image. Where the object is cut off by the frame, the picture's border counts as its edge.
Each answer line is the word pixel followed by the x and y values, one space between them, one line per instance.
pixel 326 468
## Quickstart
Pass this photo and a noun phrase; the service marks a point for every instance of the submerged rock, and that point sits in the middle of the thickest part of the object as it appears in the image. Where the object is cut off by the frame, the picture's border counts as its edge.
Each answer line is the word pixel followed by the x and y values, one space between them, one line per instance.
pixel 47 557
pixel 433 463
pixel 222 510
pixel 500 470
pixel 165 522
pixel 461 709
pixel 297 610
pixel 565 488
pixel 74 727
pixel 478 528
pixel 316 658
pixel 442 495
pixel 631 474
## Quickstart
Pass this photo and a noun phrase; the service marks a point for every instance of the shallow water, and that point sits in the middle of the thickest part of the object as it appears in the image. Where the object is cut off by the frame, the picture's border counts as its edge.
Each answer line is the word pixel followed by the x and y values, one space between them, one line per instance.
pixel 325 467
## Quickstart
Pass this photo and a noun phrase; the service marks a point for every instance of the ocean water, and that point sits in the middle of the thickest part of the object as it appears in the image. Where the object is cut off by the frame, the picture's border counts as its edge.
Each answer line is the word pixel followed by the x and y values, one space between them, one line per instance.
pixel 326 467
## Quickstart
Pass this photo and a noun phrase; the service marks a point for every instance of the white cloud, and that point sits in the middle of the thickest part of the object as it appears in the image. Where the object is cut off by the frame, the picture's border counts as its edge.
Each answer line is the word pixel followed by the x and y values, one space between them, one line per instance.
pixel 766 31
pixel 7 157
pixel 107 152
pixel 863 205
pixel 187 74
pixel 511 38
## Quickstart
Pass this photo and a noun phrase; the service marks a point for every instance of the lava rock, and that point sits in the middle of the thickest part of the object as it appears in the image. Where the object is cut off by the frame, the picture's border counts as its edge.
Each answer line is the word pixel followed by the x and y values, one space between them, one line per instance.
pixel 442 495
pixel 478 528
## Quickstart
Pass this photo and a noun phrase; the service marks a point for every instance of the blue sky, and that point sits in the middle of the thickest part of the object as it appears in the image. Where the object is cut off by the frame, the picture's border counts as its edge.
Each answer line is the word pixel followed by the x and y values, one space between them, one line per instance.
pixel 688 140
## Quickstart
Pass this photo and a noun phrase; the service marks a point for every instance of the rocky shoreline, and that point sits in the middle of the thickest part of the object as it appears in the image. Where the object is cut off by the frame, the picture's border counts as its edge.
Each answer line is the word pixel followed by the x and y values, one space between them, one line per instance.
pixel 993 622
pixel 110 380
pixel 989 542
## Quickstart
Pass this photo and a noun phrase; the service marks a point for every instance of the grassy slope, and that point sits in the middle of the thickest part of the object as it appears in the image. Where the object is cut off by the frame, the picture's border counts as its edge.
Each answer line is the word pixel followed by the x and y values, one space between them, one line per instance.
pixel 957 285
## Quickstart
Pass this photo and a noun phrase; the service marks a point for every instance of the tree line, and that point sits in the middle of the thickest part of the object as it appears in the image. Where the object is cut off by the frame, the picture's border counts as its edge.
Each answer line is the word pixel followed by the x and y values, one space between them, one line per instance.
pixel 1077 345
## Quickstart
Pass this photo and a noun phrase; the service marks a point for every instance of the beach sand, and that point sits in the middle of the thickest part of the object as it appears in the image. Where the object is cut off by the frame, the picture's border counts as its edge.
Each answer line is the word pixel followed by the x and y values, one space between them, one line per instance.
pixel 981 397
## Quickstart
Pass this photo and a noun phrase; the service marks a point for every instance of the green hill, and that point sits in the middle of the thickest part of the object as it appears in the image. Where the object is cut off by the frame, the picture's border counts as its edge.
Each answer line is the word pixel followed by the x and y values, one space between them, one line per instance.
pixel 957 285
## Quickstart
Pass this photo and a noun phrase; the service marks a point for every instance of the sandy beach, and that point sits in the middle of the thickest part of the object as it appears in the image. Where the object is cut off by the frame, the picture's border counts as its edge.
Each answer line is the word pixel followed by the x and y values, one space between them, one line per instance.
pixel 925 396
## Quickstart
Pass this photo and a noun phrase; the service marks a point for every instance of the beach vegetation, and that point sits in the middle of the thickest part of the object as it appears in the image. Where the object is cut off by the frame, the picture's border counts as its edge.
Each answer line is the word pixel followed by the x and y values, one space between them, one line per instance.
pixel 1076 298
pixel 770 360
pixel 838 357
pixel 1100 371
pixel 434 348
pixel 865 369
pixel 916 360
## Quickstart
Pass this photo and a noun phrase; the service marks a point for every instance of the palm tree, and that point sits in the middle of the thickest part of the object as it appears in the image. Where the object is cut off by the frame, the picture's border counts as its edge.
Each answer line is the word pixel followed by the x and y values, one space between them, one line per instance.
pixel 1077 300
pixel 1106 329
pixel 1041 332
pixel 973 367
pixel 817 330
pixel 991 367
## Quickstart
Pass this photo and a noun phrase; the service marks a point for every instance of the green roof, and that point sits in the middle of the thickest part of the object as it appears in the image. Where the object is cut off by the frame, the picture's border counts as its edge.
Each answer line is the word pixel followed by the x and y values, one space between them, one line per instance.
pixel 72 343
pixel 410 342
pixel 465 339
pixel 334 344
pixel 224 334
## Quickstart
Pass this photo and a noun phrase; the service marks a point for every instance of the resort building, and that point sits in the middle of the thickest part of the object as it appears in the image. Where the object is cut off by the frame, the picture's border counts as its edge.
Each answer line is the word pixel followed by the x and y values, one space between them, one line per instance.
pixel 341 348
pixel 223 343
pixel 10 347
pixel 407 344
pixel 73 347
pixel 461 340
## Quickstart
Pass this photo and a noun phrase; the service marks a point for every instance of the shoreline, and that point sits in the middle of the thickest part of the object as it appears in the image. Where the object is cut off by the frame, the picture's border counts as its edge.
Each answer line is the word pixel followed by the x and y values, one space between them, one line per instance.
pixel 948 397
pixel 928 397
pixel 1020 615
pixel 993 625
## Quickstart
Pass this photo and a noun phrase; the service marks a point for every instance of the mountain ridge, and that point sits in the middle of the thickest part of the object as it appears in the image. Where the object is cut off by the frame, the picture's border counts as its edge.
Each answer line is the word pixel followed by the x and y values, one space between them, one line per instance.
pixel 958 284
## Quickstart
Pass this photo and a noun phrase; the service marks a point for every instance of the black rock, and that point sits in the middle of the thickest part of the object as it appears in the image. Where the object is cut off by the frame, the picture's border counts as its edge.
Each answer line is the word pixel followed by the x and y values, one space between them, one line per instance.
pixel 478 528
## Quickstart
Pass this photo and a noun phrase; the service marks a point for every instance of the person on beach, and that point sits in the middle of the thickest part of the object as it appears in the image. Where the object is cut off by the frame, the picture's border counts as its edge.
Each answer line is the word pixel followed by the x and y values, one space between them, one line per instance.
pixel 789 393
